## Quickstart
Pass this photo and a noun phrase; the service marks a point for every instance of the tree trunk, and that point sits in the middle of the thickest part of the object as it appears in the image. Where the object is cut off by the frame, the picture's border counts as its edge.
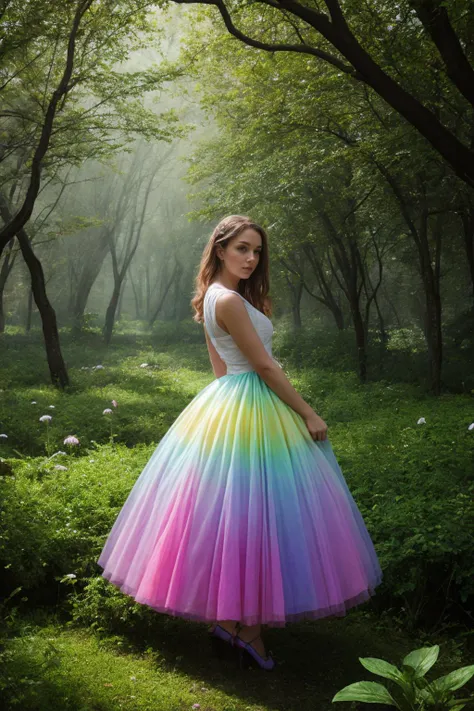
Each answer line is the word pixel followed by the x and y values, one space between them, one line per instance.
pixel 434 338
pixel 122 292
pixel 174 305
pixel 163 296
pixel 382 329
pixel 328 298
pixel 147 291
pixel 128 251
pixel 136 297
pixel 430 274
pixel 296 293
pixel 5 271
pixel 351 266
pixel 110 315
pixel 72 285
pixel 467 219
pixel 29 310
pixel 2 312
pixel 57 367
pixel 392 306
pixel 89 274
pixel 430 277
pixel 361 344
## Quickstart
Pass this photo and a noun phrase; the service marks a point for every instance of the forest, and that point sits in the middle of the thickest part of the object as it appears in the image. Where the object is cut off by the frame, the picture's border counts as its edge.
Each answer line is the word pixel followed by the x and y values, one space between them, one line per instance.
pixel 128 129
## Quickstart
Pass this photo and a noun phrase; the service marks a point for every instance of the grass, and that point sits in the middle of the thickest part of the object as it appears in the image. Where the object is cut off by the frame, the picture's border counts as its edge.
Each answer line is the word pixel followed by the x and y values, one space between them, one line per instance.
pixel 151 398
pixel 59 666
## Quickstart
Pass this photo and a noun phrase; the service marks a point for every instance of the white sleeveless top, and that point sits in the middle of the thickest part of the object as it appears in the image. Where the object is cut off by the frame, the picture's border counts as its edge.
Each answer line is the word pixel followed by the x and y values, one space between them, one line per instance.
pixel 223 342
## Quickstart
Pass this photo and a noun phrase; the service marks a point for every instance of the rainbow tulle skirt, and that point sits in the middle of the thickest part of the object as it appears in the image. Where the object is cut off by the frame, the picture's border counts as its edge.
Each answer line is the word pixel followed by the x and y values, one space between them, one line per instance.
pixel 240 515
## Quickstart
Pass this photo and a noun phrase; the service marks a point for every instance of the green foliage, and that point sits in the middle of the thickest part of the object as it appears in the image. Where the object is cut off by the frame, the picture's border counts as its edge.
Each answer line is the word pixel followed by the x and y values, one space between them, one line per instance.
pixel 53 521
pixel 341 181
pixel 413 483
pixel 104 107
pixel 165 333
pixel 310 345
pixel 408 339
pixel 105 609
pixel 417 693
pixel 149 398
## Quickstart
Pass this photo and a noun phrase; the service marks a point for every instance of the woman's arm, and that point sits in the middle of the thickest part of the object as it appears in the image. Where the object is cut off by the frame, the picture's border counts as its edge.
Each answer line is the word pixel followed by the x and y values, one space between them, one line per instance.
pixel 218 365
pixel 232 312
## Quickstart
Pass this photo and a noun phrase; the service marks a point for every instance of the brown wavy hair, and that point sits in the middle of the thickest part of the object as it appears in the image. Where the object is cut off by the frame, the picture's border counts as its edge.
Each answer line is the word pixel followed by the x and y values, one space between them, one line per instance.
pixel 255 288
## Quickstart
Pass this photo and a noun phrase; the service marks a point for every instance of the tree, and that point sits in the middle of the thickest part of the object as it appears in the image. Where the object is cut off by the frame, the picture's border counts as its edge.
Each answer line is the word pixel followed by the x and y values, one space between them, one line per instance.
pixel 302 137
pixel 129 223
pixel 67 101
pixel 5 271
pixel 19 220
pixel 56 363
pixel 331 36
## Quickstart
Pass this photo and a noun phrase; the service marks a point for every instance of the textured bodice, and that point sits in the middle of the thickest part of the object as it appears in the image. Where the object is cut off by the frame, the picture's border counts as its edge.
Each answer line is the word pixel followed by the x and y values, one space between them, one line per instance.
pixel 223 342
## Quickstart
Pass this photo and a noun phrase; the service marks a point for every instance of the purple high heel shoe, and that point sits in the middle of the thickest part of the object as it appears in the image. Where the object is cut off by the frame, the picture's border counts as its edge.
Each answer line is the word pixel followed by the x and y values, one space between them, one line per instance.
pixel 223 642
pixel 249 655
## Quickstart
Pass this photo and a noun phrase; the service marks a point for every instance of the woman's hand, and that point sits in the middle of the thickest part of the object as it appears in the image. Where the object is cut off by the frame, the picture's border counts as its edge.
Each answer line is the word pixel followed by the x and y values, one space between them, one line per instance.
pixel 316 426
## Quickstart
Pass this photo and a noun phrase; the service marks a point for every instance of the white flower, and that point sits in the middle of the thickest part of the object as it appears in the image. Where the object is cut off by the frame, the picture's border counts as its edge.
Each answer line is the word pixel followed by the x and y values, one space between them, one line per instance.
pixel 115 403
pixel 421 421
pixel 70 575
pixel 45 418
pixel 52 407
pixel 4 436
pixel 144 365
pixel 60 468
pixel 133 678
pixel 471 427
pixel 107 411
pixel 91 460
pixel 33 402
pixel 71 439
pixel 97 367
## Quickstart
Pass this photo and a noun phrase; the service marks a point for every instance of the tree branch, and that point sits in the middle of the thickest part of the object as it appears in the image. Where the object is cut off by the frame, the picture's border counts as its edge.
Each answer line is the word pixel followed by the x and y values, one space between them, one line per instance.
pixel 302 48
pixel 25 212
pixel 362 67
pixel 435 20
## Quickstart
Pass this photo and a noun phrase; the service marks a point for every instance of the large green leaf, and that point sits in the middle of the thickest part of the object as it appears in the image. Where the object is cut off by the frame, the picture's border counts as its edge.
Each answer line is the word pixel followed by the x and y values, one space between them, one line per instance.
pixel 422 659
pixel 370 692
pixel 383 668
pixel 454 680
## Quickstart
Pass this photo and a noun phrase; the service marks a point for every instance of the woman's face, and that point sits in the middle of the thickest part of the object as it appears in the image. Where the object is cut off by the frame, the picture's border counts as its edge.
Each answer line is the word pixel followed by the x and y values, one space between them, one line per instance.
pixel 242 254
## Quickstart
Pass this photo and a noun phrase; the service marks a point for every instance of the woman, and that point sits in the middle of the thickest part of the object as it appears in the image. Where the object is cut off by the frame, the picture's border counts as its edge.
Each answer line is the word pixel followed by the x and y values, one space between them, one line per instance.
pixel 242 515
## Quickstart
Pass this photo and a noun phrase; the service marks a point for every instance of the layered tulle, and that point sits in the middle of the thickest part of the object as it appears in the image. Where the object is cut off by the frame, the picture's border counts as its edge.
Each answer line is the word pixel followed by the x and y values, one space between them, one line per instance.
pixel 240 515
